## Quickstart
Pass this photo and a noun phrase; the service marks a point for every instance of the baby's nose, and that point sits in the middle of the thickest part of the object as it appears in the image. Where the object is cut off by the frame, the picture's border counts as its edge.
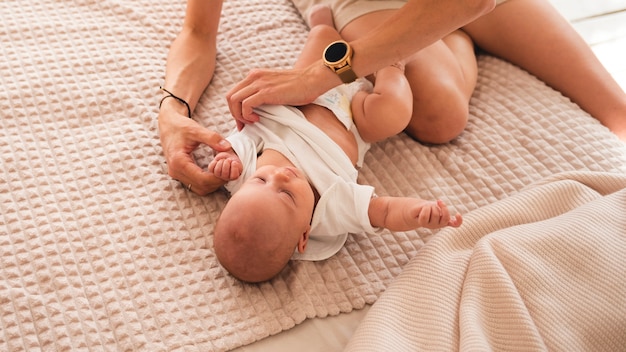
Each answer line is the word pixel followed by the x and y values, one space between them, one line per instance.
pixel 282 174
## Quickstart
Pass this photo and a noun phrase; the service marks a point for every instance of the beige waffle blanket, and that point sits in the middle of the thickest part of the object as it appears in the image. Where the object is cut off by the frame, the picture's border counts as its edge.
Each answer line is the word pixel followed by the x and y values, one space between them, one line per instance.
pixel 101 250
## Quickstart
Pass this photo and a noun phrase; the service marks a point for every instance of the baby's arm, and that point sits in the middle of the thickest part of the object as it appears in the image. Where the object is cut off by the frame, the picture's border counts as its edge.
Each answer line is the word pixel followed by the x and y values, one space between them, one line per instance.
pixel 388 109
pixel 404 214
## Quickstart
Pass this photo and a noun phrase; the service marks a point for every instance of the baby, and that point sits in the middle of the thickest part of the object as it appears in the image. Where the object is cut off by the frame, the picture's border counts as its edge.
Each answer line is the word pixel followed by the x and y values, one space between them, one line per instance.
pixel 292 175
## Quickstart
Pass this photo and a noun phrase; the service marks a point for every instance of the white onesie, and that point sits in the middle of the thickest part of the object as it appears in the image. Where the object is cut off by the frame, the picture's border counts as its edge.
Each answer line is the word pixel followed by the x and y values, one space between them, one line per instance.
pixel 343 204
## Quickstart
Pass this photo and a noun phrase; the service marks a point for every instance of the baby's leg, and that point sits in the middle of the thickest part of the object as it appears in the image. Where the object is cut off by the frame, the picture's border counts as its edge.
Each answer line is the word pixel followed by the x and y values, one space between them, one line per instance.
pixel 321 15
pixel 442 77
pixel 387 110
pixel 322 33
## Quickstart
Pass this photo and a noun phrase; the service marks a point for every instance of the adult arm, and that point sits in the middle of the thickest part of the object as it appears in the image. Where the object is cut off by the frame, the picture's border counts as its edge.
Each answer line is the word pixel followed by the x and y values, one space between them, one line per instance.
pixel 416 25
pixel 189 69
pixel 405 214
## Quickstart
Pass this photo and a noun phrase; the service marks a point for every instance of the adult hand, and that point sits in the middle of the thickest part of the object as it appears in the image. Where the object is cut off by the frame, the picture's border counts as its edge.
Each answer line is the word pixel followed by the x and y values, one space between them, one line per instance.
pixel 180 136
pixel 285 87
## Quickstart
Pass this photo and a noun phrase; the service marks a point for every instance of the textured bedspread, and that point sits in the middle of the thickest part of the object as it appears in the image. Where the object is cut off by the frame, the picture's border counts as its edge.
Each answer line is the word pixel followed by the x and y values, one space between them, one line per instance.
pixel 543 270
pixel 100 249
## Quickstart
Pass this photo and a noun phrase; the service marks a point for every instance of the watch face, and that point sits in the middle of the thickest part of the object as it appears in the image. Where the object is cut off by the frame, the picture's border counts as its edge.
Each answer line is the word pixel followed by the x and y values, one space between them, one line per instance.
pixel 335 52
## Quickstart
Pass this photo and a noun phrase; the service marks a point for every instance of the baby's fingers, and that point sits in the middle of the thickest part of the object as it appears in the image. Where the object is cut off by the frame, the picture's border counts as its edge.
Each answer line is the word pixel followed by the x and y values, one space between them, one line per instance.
pixel 235 169
pixel 446 219
pixel 456 221
pixel 425 216
pixel 217 167
pixel 226 168
pixel 442 214
pixel 211 167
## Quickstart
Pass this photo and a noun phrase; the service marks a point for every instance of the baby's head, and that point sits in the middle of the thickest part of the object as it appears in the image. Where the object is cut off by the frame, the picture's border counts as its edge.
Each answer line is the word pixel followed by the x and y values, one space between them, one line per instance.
pixel 264 222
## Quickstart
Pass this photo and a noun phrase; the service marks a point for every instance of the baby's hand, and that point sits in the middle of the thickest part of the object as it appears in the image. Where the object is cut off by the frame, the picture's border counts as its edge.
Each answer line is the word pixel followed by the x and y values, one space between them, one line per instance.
pixel 226 166
pixel 435 215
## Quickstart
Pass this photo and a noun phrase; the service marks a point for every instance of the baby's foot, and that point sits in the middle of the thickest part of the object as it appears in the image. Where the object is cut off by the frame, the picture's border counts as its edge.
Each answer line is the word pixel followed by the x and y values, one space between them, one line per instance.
pixel 321 15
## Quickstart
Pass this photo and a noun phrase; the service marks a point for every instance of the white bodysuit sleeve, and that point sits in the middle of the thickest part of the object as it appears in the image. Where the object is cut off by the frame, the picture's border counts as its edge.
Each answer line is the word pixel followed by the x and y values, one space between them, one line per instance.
pixel 247 149
pixel 341 210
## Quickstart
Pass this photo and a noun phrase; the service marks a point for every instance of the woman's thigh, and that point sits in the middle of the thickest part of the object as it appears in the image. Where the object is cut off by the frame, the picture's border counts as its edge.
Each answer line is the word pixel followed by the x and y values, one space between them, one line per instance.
pixel 533 35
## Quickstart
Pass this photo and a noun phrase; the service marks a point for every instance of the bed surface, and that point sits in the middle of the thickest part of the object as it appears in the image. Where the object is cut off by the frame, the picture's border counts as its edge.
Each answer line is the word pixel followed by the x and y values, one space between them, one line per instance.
pixel 100 249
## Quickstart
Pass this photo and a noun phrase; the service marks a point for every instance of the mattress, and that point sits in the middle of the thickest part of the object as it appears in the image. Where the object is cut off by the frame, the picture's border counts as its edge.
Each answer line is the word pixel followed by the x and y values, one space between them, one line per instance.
pixel 101 250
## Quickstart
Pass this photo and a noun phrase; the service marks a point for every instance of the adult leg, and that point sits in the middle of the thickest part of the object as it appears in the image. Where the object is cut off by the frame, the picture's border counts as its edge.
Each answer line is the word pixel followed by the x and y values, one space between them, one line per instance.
pixel 533 35
pixel 442 78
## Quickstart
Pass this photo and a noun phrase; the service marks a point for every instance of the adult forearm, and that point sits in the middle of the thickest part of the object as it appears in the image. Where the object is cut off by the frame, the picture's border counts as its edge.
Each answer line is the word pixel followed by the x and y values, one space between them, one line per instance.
pixel 416 25
pixel 190 66
pixel 191 58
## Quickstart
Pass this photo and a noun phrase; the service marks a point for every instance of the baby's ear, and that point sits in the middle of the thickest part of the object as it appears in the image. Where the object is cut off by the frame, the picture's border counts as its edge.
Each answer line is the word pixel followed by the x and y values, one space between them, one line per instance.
pixel 304 239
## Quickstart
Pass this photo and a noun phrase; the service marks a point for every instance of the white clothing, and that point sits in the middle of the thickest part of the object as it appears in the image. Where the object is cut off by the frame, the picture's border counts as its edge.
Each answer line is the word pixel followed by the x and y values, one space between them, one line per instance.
pixel 345 11
pixel 343 204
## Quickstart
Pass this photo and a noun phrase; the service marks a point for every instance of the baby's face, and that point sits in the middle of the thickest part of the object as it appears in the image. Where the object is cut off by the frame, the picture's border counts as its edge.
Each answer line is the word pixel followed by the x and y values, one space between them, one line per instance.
pixel 285 189
pixel 264 222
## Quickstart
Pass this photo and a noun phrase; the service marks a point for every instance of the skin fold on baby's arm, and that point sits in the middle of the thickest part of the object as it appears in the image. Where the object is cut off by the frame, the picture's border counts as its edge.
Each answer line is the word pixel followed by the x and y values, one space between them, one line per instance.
pixel 405 214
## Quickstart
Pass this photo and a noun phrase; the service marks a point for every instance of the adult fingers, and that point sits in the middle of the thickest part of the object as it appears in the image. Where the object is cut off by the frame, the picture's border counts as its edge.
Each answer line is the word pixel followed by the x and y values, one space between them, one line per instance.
pixel 213 139
pixel 242 115
pixel 243 97
pixel 261 87
pixel 194 178
pixel 239 125
pixel 181 167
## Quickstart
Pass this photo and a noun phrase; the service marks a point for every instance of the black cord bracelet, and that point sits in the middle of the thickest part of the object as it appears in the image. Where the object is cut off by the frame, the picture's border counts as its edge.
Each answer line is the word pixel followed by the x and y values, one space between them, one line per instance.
pixel 180 100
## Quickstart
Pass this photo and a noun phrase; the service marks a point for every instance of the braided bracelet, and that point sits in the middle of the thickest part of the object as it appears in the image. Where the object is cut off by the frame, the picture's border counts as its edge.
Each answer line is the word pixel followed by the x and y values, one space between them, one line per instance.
pixel 171 95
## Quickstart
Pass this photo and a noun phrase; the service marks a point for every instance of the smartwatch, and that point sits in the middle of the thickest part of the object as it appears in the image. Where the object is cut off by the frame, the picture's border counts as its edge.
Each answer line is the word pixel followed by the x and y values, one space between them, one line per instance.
pixel 338 57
